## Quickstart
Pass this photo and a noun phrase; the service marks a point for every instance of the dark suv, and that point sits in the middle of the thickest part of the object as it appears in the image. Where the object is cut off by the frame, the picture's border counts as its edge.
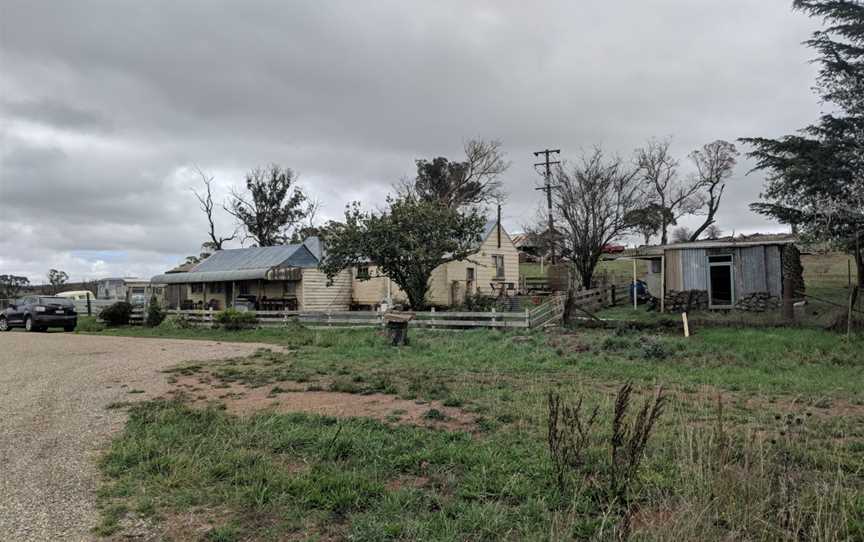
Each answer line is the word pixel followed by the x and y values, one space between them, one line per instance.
pixel 37 312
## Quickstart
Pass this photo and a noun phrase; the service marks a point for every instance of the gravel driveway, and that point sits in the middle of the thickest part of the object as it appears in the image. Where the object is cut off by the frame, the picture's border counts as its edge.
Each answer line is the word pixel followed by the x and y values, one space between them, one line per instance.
pixel 54 388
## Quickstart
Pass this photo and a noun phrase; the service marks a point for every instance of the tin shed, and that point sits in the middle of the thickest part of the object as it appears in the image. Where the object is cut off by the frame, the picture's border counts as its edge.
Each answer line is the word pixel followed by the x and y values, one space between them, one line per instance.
pixel 720 274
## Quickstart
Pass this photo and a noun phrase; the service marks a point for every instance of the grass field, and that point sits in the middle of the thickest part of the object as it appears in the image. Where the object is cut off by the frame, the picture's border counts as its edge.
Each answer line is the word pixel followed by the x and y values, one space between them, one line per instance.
pixel 761 438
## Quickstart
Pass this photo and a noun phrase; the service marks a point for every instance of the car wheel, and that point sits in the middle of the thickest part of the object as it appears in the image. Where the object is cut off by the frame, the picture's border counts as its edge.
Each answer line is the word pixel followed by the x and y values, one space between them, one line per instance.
pixel 4 325
pixel 67 329
pixel 28 325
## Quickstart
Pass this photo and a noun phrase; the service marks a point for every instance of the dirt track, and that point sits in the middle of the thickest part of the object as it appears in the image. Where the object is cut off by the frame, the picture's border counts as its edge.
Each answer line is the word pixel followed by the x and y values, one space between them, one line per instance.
pixel 54 388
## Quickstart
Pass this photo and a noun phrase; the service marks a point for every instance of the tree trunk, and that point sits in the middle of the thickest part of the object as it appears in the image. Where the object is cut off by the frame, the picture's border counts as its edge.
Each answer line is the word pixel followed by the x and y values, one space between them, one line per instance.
pixel 859 266
pixel 708 221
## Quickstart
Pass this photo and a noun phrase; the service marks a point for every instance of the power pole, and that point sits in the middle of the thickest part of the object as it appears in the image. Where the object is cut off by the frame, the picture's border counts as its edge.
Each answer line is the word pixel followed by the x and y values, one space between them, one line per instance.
pixel 547 187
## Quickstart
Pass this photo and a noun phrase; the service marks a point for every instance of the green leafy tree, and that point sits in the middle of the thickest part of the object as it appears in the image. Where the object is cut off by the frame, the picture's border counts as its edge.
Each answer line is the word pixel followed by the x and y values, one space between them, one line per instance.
pixel 406 242
pixel 474 181
pixel 815 178
pixel 270 207
pixel 11 285
pixel 650 220
pixel 57 279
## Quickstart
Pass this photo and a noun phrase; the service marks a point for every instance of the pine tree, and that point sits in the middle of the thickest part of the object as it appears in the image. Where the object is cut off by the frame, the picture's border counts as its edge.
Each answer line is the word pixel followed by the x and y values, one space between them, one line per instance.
pixel 816 177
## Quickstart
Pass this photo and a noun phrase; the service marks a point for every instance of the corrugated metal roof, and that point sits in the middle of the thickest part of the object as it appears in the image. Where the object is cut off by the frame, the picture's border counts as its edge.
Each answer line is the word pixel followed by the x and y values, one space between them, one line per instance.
pixel 246 258
pixel 242 264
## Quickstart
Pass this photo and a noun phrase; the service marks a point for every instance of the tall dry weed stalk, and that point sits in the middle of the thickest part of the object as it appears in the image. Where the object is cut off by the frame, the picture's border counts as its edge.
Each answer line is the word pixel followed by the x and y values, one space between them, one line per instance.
pixel 571 432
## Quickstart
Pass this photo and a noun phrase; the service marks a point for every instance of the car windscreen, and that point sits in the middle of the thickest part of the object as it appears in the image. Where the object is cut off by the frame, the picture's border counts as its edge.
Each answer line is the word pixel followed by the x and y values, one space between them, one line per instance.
pixel 62 301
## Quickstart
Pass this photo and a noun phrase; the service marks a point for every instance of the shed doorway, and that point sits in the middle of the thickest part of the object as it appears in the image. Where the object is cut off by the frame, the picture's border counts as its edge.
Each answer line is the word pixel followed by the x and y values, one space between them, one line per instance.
pixel 721 282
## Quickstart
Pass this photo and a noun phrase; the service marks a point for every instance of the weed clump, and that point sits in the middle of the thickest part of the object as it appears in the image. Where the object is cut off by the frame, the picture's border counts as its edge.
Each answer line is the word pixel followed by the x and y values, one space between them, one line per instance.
pixel 572 433
pixel 652 350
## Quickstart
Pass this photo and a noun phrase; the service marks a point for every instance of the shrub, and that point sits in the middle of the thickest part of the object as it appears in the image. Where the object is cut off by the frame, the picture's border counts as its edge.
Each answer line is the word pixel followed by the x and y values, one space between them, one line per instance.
pixel 653 349
pixel 117 314
pixel 479 303
pixel 179 321
pixel 232 319
pixel 155 314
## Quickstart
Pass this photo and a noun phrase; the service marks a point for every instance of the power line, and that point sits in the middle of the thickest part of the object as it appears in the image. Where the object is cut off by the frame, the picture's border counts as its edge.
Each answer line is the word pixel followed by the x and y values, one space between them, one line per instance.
pixel 548 189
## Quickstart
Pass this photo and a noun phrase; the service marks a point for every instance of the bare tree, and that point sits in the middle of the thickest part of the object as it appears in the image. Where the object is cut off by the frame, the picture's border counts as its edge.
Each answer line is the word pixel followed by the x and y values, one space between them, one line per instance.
pixel 205 200
pixel 592 202
pixel 714 163
pixel 474 181
pixel 658 171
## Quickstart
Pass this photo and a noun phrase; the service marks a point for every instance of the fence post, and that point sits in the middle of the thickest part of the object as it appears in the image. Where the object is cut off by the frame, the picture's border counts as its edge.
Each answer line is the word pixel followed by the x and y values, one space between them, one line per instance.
pixel 432 321
pixel 494 320
pixel 527 318
pixel 210 315
pixel 329 319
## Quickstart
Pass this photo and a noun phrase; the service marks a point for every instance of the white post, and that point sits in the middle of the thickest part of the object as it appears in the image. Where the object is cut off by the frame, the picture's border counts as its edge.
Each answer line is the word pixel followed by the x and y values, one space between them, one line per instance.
pixel 663 283
pixel 432 321
pixel 634 285
pixel 686 324
pixel 527 318
pixel 494 320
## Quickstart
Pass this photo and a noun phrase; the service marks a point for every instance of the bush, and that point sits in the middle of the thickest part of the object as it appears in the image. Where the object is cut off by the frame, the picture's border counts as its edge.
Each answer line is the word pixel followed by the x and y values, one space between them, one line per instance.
pixel 480 303
pixel 117 314
pixel 155 314
pixel 232 319
pixel 179 321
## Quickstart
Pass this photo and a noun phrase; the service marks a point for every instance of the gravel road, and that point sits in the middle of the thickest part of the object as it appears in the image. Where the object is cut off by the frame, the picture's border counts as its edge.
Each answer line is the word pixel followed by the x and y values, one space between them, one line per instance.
pixel 54 388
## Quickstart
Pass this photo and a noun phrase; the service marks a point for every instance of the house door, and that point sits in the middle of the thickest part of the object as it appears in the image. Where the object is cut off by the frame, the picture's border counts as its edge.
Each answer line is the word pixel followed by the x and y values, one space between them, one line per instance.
pixel 229 294
pixel 469 281
pixel 721 281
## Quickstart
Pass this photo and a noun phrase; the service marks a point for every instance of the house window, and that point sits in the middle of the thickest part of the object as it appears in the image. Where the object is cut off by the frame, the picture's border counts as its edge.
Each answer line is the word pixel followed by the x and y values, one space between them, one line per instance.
pixel 655 266
pixel 362 271
pixel 216 287
pixel 197 288
pixel 498 263
pixel 244 288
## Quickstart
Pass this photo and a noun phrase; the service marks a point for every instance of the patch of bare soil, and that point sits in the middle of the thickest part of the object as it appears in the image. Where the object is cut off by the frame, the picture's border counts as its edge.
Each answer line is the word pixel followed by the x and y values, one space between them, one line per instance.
pixel 294 397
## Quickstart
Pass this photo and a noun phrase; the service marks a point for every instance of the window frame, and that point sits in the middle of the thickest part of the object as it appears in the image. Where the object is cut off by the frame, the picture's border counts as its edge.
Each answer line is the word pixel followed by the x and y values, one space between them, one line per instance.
pixel 500 270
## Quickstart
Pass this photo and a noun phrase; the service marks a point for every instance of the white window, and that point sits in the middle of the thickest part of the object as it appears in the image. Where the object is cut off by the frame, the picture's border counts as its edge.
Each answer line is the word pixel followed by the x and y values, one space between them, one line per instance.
pixel 498 263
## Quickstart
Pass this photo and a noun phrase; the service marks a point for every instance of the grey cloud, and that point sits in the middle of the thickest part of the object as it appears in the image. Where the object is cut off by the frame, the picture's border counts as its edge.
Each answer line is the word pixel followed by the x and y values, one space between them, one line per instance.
pixel 57 113
pixel 122 98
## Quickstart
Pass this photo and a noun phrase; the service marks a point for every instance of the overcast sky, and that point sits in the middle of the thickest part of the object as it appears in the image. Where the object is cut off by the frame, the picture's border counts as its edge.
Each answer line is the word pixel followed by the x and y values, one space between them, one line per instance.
pixel 106 107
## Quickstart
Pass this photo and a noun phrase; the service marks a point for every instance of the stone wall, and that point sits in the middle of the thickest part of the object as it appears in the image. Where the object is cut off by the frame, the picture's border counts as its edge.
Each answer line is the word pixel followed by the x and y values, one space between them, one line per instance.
pixel 793 271
pixel 758 302
pixel 686 300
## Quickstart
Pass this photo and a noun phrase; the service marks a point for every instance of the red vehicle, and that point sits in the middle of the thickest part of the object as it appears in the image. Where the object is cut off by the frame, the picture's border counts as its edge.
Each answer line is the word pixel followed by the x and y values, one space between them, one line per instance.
pixel 613 249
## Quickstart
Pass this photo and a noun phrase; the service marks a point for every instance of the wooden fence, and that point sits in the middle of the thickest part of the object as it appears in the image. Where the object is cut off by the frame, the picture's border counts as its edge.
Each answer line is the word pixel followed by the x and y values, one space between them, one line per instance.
pixel 549 312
